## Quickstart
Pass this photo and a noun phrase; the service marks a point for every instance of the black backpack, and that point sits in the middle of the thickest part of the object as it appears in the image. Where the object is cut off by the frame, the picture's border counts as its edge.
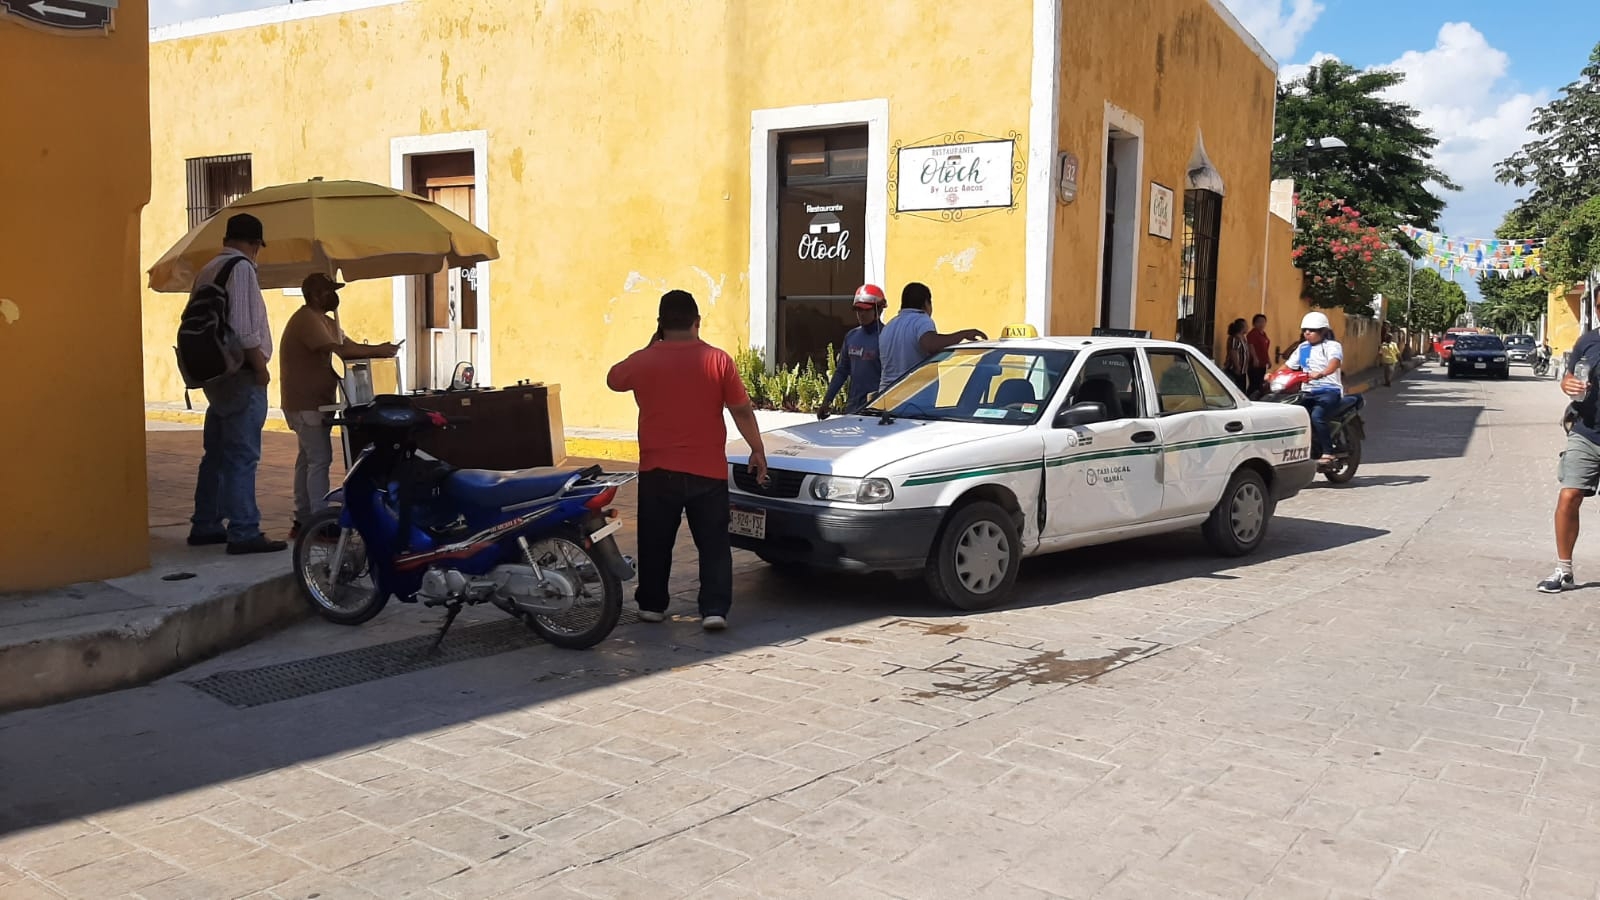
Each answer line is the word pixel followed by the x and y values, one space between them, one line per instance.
pixel 208 348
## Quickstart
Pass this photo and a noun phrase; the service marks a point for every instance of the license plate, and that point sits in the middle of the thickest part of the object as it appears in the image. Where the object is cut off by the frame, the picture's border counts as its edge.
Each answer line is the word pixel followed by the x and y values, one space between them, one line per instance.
pixel 750 523
pixel 1480 365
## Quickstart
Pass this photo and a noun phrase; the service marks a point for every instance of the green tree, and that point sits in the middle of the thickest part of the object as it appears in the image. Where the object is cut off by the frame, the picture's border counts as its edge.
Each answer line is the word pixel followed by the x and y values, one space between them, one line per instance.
pixel 1436 303
pixel 1561 164
pixel 1573 253
pixel 1387 168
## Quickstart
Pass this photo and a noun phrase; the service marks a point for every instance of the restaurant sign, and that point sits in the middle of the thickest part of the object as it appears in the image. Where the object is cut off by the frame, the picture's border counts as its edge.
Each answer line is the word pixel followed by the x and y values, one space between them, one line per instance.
pixel 955 176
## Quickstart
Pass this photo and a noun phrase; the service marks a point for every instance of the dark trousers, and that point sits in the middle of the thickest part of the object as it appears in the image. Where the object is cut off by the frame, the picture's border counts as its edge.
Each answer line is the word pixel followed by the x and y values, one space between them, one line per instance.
pixel 1323 405
pixel 1258 381
pixel 665 497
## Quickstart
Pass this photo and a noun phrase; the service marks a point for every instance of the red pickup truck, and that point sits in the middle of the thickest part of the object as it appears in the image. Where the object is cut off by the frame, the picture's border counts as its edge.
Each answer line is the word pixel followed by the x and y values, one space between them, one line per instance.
pixel 1444 342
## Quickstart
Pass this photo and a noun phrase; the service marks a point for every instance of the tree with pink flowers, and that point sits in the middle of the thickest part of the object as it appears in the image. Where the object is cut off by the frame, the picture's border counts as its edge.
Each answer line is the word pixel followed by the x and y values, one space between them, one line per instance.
pixel 1338 252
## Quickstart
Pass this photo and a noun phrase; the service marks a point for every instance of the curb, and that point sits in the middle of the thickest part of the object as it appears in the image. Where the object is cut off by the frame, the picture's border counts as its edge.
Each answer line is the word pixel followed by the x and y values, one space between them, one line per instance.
pixel 138 651
pixel 197 418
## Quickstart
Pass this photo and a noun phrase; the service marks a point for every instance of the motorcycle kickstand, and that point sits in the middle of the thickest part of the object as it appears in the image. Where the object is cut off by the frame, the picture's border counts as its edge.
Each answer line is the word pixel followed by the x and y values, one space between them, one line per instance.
pixel 453 610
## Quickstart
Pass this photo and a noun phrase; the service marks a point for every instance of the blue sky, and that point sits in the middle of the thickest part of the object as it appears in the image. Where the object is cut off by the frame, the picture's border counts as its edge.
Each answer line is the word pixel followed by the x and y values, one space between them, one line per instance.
pixel 1475 70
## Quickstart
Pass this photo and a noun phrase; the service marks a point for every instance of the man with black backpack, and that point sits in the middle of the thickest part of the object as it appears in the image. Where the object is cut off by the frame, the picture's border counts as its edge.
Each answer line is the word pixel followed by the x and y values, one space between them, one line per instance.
pixel 224 344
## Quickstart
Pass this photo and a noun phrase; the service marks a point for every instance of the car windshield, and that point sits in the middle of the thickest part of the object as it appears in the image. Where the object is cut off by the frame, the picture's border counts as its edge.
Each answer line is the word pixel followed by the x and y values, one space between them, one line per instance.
pixel 1520 340
pixel 994 385
pixel 1478 342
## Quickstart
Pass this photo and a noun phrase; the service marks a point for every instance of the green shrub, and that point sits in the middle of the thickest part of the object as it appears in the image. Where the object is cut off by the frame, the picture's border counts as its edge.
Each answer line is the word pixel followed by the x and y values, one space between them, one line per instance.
pixel 795 389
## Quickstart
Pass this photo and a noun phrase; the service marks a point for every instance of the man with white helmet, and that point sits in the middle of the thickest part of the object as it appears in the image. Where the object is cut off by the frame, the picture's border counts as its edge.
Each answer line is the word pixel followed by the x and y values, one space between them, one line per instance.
pixel 1320 357
pixel 858 358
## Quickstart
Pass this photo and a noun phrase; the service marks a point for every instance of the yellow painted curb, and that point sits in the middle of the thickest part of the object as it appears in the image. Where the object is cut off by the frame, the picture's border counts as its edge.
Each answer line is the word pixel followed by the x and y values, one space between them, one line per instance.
pixel 603 448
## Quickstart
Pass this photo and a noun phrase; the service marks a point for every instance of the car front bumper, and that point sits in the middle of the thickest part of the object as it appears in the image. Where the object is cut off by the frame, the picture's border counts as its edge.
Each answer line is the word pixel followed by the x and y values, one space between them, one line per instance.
pixel 847 540
pixel 1469 366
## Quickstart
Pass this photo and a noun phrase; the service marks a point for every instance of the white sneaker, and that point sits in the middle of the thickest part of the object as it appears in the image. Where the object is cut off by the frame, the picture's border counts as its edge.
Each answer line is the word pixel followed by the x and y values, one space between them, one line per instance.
pixel 1557 582
pixel 713 623
pixel 646 615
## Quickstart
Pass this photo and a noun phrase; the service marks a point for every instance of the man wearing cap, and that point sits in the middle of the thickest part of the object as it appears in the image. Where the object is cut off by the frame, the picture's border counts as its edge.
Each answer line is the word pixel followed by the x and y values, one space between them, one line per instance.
pixel 858 358
pixel 310 339
pixel 681 385
pixel 225 509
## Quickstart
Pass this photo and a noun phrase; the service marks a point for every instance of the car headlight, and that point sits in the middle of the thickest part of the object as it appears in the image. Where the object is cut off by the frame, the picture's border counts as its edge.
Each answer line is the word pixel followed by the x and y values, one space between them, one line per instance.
pixel 852 490
pixel 1499 359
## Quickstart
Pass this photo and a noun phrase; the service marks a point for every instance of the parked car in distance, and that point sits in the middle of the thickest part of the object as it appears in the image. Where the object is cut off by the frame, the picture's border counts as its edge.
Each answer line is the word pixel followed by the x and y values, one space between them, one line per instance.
pixel 1521 348
pixel 1479 354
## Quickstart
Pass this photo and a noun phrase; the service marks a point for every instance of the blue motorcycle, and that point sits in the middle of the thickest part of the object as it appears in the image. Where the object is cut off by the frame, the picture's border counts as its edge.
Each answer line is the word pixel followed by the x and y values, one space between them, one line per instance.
pixel 537 543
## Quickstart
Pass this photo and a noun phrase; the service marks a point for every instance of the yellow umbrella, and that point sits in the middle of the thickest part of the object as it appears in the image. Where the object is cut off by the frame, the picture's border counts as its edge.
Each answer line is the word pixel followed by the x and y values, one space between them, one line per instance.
pixel 361 230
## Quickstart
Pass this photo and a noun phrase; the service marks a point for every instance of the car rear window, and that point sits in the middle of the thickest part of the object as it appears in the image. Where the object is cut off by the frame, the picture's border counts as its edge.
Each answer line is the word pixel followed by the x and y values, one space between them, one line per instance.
pixel 1478 342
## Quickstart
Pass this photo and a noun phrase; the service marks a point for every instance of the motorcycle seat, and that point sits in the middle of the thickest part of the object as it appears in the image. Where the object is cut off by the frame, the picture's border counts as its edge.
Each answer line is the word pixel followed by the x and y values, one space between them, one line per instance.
pixel 493 488
pixel 1350 403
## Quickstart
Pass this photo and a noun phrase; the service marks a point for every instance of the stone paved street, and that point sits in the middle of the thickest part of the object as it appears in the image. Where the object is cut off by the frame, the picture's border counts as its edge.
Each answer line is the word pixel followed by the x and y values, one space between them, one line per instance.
pixel 1377 705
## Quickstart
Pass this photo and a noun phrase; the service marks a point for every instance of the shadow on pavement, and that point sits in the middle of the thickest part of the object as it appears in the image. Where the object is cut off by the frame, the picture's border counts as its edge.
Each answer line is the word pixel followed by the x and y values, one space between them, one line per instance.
pixel 1360 481
pixel 1425 418
pixel 116 749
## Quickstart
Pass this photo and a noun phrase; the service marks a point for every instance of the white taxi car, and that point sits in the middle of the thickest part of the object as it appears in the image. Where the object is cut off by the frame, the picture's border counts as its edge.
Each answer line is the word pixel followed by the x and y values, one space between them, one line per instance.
pixel 995 451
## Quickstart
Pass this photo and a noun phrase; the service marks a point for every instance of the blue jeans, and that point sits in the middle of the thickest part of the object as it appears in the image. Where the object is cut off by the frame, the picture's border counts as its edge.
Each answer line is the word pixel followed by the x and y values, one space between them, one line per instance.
pixel 1323 405
pixel 225 490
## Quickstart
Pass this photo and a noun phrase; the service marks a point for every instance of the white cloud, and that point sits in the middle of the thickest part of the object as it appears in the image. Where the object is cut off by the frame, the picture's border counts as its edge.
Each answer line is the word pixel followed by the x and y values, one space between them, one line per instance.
pixel 165 12
pixel 1460 90
pixel 1279 25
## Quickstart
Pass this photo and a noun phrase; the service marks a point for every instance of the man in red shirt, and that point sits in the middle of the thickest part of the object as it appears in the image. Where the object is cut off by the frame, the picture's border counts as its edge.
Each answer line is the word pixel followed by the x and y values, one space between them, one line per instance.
pixel 681 385
pixel 1260 354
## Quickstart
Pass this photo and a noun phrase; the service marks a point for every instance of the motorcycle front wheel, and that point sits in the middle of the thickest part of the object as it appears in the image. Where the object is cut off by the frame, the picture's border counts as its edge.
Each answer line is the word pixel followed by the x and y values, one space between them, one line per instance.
pixel 349 596
pixel 594 589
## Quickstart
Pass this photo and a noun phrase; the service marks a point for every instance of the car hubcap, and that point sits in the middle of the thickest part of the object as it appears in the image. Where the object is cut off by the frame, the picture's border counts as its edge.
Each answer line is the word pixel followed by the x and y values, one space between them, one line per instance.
pixel 1248 512
pixel 982 557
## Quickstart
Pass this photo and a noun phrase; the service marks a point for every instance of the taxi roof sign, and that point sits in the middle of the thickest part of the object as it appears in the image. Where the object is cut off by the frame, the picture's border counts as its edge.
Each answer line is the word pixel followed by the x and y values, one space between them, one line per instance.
pixel 1021 330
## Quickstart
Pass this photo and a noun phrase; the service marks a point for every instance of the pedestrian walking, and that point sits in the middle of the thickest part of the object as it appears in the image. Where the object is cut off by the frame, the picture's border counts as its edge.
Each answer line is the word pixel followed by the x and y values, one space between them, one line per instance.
pixel 1236 358
pixel 1579 469
pixel 911 337
pixel 858 359
pixel 681 385
pixel 309 383
pixel 1389 358
pixel 1260 354
pixel 225 510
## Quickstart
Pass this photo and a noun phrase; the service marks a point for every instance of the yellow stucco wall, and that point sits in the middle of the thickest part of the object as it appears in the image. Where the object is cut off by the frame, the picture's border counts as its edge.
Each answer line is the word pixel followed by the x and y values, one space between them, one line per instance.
pixel 618 151
pixel 77 171
pixel 1179 68
pixel 1563 319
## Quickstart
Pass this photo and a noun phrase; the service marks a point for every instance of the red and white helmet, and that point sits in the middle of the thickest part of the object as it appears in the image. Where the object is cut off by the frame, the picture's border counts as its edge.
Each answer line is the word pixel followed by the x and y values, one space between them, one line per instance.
pixel 870 296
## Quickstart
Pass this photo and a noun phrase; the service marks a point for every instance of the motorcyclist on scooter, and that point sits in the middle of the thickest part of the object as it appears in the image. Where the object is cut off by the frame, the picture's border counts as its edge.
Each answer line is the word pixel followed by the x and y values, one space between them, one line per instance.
pixel 1320 357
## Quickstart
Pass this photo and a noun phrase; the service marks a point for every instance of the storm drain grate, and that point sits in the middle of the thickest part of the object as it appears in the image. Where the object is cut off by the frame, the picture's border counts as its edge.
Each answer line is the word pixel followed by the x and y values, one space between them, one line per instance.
pixel 244 688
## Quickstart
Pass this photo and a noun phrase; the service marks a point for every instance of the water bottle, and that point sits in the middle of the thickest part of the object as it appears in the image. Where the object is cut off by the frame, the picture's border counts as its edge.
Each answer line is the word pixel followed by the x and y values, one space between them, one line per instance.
pixel 1581 370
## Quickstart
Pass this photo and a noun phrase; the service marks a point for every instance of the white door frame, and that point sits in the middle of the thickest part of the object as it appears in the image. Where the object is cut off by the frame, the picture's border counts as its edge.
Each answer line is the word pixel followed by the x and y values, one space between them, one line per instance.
pixel 401 149
pixel 765 126
pixel 1129 231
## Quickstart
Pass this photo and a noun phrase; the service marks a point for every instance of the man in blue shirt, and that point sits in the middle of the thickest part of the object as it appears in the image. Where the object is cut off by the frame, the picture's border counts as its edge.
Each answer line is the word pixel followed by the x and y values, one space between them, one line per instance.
pixel 858 359
pixel 1579 471
pixel 911 336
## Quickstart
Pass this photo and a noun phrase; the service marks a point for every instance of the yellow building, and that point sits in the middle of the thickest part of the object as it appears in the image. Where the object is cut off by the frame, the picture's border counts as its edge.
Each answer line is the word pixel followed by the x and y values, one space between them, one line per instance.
pixel 1564 320
pixel 1066 163
pixel 76 158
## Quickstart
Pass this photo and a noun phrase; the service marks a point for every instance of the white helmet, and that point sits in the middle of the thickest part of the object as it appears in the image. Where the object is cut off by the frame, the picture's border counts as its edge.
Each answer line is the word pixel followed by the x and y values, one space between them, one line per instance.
pixel 1314 320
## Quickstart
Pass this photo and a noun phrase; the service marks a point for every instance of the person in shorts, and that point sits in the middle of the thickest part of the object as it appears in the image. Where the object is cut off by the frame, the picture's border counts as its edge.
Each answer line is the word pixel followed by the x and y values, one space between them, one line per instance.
pixel 1579 471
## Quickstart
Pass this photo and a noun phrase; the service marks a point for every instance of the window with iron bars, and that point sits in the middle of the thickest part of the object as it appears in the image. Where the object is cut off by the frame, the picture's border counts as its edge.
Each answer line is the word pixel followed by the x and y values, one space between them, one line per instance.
pixel 1197 300
pixel 214 182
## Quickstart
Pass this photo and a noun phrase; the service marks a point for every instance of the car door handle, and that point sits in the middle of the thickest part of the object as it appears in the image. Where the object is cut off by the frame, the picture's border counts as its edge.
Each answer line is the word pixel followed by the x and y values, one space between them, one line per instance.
pixel 1143 437
pixel 1235 426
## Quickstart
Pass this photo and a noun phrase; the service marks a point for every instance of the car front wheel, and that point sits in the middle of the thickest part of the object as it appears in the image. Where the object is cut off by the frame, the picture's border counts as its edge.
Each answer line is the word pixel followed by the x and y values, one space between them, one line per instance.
pixel 974 562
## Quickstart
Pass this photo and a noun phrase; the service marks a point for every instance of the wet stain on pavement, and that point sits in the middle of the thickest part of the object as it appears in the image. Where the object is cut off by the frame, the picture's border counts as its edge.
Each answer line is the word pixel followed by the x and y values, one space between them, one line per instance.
pixel 1047 668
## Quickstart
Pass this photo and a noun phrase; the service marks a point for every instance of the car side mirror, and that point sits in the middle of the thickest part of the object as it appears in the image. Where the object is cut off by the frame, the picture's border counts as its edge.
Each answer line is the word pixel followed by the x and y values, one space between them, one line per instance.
pixel 1081 414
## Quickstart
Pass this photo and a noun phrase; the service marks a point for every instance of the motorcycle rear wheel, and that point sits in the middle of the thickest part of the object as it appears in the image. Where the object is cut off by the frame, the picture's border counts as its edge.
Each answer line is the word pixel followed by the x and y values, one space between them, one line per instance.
pixel 1345 469
pixel 594 612
pixel 352 596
